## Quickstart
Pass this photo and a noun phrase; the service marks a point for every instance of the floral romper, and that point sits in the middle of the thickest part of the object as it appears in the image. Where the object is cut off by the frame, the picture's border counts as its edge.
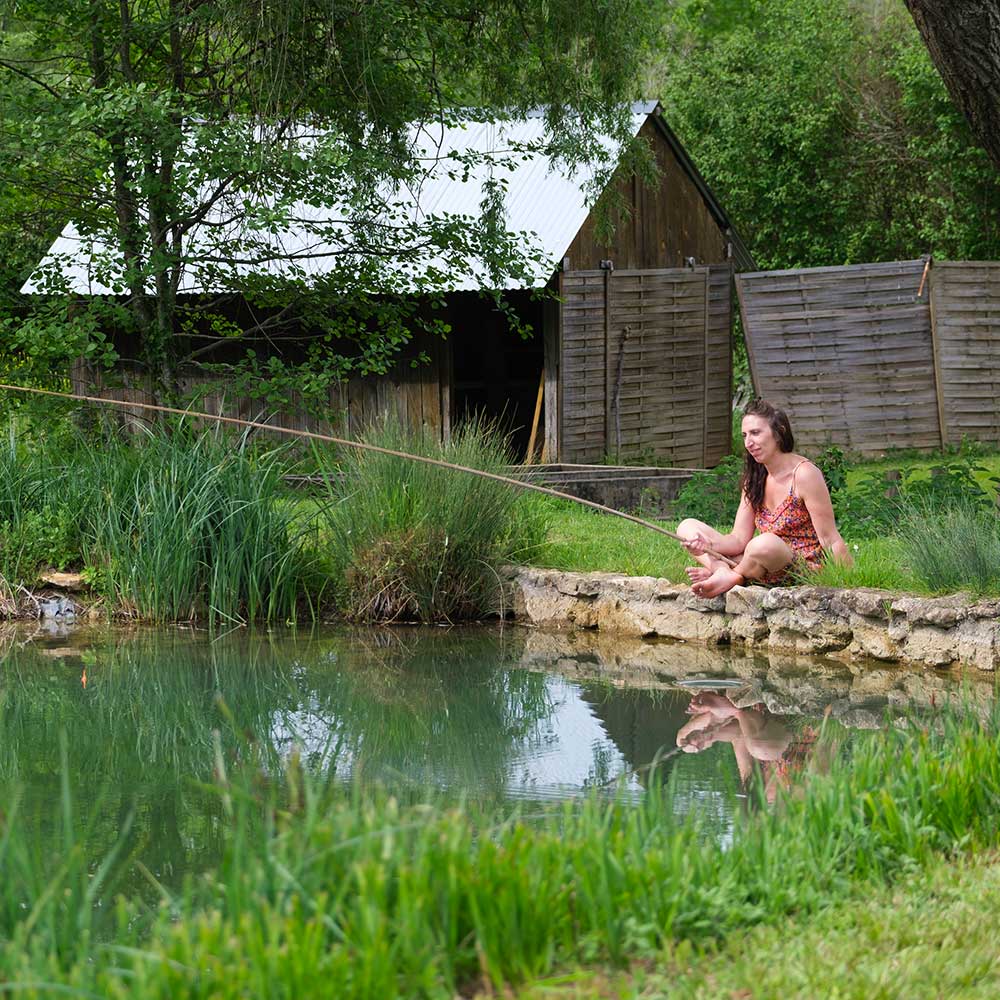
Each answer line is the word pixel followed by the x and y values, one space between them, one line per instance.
pixel 791 522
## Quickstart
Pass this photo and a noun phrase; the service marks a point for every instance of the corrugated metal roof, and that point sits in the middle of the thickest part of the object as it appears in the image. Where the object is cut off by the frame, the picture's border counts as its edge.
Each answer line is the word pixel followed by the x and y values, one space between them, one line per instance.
pixel 544 204
pixel 545 207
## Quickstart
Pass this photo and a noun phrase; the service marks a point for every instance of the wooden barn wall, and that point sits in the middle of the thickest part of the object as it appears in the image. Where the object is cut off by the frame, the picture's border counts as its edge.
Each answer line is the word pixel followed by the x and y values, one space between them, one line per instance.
pixel 665 224
pixel 877 356
pixel 417 396
pixel 965 310
pixel 646 371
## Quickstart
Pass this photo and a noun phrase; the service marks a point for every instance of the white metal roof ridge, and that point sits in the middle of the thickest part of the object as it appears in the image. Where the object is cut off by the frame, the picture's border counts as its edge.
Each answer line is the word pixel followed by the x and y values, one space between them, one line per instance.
pixel 545 207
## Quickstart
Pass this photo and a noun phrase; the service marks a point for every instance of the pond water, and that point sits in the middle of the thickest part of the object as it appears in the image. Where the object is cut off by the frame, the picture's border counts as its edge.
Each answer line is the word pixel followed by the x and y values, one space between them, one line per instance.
pixel 131 724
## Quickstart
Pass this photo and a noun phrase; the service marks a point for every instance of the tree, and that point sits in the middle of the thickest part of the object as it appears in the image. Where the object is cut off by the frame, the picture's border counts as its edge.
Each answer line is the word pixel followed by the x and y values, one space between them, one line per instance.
pixel 827 132
pixel 963 38
pixel 187 138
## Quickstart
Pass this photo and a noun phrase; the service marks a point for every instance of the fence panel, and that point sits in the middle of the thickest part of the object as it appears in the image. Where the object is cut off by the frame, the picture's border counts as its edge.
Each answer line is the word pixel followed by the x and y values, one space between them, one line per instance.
pixel 646 372
pixel 582 367
pixel 965 306
pixel 847 351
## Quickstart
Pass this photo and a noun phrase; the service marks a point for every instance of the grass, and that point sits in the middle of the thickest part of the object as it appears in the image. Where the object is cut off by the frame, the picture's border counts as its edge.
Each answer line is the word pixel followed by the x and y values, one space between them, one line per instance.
pixel 413 542
pixel 358 896
pixel 930 936
pixel 954 548
pixel 586 540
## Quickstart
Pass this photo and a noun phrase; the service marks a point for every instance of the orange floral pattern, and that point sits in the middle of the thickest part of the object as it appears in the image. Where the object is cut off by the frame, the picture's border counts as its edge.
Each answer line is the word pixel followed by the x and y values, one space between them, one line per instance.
pixel 791 522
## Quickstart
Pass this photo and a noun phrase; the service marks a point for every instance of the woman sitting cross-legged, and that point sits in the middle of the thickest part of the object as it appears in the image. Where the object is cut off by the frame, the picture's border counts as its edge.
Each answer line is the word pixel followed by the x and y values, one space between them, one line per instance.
pixel 784 499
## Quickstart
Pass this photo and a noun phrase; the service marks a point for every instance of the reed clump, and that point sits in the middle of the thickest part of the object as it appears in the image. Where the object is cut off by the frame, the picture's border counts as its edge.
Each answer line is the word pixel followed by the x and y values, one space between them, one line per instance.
pixel 170 526
pixel 194 526
pixel 412 542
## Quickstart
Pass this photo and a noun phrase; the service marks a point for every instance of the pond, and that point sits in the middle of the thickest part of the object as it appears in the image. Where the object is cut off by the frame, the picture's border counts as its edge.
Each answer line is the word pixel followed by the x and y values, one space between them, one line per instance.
pixel 130 727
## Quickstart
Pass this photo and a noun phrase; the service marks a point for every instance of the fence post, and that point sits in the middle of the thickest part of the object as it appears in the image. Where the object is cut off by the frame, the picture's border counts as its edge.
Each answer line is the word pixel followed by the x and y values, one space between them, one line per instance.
pixel 936 359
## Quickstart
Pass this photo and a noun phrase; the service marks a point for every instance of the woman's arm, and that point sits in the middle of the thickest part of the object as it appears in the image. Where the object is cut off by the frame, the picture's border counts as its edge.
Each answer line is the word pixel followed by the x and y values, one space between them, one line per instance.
pixel 811 487
pixel 732 544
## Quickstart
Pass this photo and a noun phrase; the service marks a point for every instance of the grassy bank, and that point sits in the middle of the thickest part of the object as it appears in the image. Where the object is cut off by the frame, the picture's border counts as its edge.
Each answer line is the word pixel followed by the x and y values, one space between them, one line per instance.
pixel 940 534
pixel 358 896
pixel 931 935
pixel 177 526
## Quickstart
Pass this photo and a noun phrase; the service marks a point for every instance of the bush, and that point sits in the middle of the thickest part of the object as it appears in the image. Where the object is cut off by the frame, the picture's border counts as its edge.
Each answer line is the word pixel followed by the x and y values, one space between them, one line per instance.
pixel 412 542
pixel 713 495
pixel 863 510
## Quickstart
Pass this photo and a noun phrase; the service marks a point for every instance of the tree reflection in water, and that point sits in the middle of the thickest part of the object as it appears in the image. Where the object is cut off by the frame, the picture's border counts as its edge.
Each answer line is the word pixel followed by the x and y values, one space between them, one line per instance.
pixel 141 735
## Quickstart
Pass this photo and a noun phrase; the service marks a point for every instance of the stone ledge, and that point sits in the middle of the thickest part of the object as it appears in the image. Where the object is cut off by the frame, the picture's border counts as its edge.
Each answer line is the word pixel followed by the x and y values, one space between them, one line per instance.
pixel 844 624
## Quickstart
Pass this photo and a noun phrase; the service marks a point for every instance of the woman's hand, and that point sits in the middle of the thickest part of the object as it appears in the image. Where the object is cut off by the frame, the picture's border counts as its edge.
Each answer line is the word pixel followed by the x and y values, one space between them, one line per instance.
pixel 697 545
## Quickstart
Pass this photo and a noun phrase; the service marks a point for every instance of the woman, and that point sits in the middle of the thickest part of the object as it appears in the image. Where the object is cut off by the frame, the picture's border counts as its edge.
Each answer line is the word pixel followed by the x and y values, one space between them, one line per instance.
pixel 784 498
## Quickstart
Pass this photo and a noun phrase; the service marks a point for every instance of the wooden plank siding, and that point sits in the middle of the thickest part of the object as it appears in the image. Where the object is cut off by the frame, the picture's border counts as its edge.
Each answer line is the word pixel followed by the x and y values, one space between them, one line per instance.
pixel 846 352
pixel 416 396
pixel 660 226
pixel 966 311
pixel 646 365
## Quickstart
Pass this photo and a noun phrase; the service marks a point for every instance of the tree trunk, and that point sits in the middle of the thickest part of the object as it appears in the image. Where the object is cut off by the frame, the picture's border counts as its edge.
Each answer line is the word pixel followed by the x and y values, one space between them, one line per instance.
pixel 963 37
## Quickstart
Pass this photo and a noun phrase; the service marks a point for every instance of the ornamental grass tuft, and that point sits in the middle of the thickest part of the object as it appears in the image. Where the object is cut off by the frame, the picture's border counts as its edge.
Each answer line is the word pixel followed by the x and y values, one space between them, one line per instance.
pixel 413 542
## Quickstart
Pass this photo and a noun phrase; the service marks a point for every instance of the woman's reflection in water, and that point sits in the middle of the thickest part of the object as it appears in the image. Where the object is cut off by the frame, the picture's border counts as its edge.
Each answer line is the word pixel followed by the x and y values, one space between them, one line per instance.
pixel 755 735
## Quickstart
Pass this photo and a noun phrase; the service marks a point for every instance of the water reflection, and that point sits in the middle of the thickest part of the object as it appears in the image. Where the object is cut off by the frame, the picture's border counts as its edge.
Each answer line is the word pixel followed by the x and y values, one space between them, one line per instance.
pixel 763 744
pixel 137 722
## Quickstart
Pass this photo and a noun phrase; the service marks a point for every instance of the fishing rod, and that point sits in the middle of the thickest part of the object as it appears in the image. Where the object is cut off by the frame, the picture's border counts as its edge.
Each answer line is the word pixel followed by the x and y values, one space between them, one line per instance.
pixel 360 446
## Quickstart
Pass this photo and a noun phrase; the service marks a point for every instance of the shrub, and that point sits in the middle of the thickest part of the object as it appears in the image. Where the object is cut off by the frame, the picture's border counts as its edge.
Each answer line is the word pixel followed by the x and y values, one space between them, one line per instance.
pixel 864 511
pixel 412 542
pixel 712 495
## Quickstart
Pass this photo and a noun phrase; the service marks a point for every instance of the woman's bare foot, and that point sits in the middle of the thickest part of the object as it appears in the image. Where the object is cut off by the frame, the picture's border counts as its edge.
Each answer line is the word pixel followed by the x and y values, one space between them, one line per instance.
pixel 697 573
pixel 719 582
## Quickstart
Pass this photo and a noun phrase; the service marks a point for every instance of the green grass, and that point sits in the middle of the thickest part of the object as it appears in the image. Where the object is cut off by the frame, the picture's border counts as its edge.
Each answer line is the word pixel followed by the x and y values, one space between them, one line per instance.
pixel 586 540
pixel 412 542
pixel 932 935
pixel 322 893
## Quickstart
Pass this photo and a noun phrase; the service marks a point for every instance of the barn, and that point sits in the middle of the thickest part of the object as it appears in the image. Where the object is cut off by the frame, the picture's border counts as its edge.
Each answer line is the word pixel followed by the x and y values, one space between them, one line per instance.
pixel 629 360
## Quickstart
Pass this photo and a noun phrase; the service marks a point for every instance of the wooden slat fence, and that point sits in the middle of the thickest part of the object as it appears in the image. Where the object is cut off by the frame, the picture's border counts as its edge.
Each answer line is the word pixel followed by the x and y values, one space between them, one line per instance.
pixel 965 308
pixel 847 351
pixel 646 365
pixel 417 396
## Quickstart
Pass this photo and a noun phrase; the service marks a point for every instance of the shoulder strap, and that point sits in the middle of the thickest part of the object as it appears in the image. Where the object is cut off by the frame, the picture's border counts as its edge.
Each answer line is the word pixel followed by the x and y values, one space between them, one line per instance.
pixel 791 485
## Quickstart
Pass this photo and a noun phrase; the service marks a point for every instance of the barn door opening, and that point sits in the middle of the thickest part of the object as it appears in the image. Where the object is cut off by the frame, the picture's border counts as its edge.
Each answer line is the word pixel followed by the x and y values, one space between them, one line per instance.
pixel 646 366
pixel 496 372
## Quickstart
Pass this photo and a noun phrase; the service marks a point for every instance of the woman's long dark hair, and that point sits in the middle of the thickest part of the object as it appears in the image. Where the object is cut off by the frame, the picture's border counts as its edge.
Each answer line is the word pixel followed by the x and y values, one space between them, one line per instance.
pixel 755 474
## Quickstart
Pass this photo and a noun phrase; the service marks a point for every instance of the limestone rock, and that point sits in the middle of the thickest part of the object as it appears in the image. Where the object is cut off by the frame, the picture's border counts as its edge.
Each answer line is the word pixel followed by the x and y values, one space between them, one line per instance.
pixel 63 581
pixel 865 624
pixel 745 601
pixel 940 611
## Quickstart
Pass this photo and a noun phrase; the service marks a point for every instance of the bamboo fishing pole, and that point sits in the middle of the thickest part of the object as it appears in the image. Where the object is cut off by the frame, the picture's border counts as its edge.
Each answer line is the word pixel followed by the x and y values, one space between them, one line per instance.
pixel 360 446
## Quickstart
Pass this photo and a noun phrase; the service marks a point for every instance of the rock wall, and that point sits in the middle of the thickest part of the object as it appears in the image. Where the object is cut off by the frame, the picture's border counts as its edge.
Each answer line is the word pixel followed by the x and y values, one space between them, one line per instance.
pixel 843 624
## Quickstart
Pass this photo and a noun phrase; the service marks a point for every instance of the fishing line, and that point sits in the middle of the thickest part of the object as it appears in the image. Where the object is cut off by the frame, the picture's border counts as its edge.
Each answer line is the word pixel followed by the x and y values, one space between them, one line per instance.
pixel 360 446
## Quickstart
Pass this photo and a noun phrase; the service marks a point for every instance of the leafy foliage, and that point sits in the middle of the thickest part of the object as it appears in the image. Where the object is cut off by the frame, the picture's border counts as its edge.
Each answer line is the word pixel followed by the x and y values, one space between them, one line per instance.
pixel 185 141
pixel 713 495
pixel 828 132
pixel 864 511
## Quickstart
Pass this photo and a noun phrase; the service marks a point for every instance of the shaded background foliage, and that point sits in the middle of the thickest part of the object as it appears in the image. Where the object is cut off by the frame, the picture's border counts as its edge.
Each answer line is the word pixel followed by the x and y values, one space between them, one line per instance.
pixel 826 131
